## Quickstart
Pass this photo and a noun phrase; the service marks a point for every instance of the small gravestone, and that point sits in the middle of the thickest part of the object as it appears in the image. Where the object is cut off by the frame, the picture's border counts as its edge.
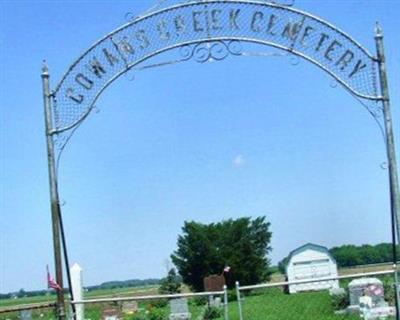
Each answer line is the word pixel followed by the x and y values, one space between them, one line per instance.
pixel 26 315
pixel 214 283
pixel 371 287
pixel 111 314
pixel 216 302
pixel 129 307
pixel 179 309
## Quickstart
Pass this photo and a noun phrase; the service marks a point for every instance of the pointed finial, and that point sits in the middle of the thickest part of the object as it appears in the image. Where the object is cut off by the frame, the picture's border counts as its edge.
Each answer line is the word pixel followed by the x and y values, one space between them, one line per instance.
pixel 378 30
pixel 45 69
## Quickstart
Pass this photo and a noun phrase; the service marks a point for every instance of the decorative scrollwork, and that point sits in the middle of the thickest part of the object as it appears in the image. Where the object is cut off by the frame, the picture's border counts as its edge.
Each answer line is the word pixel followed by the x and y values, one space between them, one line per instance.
pixel 211 51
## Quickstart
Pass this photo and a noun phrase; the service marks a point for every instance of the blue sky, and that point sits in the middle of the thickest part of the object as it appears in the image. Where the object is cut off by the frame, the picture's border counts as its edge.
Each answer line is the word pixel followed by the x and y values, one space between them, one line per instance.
pixel 243 137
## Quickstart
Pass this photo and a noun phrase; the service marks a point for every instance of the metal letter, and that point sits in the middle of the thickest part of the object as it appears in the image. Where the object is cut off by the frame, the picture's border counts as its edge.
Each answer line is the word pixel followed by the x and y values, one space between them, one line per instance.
pixel 233 15
pixel 257 16
pixel 110 57
pixel 162 29
pixel 141 36
pixel 126 47
pixel 324 36
pixel 307 31
pixel 345 59
pixel 332 48
pixel 272 21
pixel 291 30
pixel 196 23
pixel 84 81
pixel 70 94
pixel 358 67
pixel 215 19
pixel 96 67
pixel 180 26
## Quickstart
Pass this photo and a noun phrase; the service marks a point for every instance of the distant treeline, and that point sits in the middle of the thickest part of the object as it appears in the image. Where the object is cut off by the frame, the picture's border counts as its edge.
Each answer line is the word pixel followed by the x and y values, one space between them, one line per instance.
pixel 22 293
pixel 106 285
pixel 124 284
pixel 351 255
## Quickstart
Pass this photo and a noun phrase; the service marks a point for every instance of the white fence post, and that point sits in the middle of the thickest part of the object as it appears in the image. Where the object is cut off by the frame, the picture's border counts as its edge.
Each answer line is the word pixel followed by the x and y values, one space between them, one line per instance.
pixel 239 299
pixel 77 290
pixel 226 311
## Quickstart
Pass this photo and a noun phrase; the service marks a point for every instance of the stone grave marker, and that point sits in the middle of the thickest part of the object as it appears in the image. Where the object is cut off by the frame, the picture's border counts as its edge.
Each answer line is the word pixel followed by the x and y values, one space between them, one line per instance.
pixel 214 283
pixel 26 315
pixel 129 307
pixel 179 309
pixel 371 287
pixel 111 314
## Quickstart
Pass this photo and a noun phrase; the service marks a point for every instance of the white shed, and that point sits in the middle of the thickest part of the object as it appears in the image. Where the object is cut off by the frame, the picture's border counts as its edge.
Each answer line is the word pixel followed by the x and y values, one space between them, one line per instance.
pixel 308 262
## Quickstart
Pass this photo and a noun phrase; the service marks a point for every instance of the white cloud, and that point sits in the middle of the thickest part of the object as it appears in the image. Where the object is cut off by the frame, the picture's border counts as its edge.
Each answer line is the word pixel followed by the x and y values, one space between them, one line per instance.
pixel 239 161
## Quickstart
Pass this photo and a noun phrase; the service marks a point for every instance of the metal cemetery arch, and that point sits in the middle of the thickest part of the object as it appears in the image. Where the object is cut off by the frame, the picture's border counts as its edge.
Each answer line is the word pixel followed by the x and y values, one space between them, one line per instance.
pixel 210 30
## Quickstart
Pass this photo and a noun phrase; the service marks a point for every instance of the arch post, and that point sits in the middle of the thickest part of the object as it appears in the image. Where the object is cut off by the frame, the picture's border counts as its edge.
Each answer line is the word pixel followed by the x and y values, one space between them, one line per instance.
pixel 391 155
pixel 55 208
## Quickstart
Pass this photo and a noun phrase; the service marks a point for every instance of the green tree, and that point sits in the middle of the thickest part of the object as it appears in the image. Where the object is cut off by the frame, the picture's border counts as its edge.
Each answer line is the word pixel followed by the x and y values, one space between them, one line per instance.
pixel 205 249
pixel 170 284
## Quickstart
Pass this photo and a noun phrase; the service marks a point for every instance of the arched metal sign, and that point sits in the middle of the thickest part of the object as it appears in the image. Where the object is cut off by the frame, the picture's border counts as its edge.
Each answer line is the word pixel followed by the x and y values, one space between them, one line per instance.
pixel 206 30
pixel 222 24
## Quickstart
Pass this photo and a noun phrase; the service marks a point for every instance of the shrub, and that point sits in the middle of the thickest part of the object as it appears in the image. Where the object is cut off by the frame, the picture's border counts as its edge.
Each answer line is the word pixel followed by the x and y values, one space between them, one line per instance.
pixel 157 314
pixel 159 303
pixel 199 301
pixel 340 301
pixel 388 286
pixel 212 313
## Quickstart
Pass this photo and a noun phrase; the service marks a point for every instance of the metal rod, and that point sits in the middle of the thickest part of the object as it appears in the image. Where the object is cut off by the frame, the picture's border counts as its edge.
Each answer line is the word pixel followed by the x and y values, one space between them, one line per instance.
pixel 31 306
pixel 154 297
pixel 239 299
pixel 390 148
pixel 67 268
pixel 286 283
pixel 54 200
pixel 226 310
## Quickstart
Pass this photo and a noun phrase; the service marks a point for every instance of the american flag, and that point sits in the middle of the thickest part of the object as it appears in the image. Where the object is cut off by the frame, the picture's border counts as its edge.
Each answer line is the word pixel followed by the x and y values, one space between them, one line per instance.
pixel 51 283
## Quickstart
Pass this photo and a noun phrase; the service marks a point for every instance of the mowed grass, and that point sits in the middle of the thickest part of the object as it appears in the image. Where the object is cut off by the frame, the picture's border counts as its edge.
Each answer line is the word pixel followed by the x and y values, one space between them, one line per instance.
pixel 274 304
pixel 271 304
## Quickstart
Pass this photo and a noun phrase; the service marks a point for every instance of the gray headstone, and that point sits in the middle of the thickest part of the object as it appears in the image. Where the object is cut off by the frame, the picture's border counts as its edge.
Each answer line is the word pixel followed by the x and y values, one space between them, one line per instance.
pixel 179 309
pixel 179 306
pixel 372 287
pixel 111 314
pixel 26 315
pixel 129 307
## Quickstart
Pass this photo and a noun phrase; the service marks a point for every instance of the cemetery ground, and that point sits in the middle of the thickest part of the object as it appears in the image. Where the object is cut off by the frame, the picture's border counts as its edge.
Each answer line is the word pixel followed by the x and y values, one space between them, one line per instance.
pixel 271 304
pixel 264 304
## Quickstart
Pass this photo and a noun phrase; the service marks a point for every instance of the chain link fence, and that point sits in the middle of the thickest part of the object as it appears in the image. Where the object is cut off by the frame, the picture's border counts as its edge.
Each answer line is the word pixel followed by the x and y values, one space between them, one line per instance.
pixel 272 301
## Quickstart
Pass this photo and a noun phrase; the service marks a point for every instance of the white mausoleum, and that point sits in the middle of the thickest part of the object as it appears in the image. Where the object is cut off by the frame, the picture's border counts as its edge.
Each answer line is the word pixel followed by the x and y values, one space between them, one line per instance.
pixel 308 262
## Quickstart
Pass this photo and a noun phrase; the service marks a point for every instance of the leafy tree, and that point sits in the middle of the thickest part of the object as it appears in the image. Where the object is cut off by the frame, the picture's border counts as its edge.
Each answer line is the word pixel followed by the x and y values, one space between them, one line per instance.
pixel 205 249
pixel 171 284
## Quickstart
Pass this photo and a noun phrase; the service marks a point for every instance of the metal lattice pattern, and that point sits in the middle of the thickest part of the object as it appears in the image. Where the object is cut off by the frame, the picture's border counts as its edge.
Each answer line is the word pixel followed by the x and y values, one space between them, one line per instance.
pixel 206 30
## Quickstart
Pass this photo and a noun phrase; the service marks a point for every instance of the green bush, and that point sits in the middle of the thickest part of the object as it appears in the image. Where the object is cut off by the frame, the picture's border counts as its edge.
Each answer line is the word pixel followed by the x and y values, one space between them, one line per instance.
pixel 388 286
pixel 340 301
pixel 199 301
pixel 138 316
pixel 212 313
pixel 157 314
pixel 232 295
pixel 159 303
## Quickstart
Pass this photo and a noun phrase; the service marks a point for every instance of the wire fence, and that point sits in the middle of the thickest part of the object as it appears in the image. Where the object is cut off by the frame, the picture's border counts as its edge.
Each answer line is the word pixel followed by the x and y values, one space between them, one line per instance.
pixel 273 301
pixel 253 302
